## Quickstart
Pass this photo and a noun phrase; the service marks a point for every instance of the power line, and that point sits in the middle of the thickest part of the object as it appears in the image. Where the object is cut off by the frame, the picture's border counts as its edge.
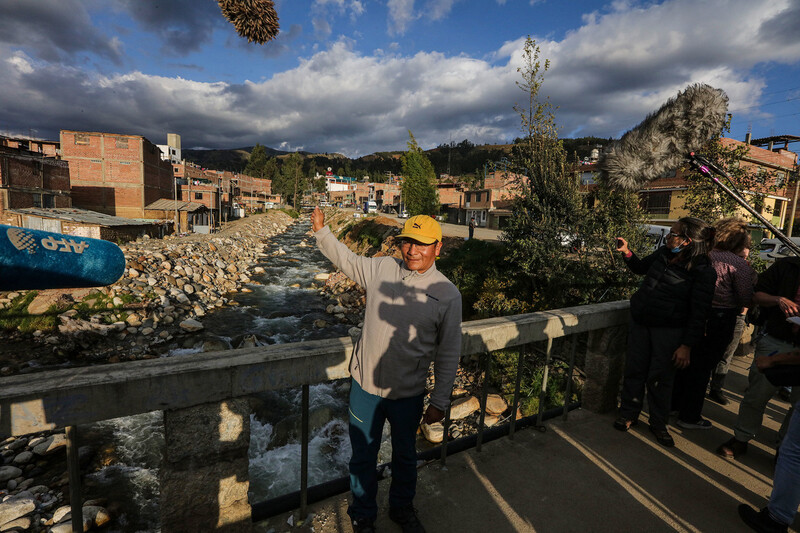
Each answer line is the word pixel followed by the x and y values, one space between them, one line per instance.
pixel 770 103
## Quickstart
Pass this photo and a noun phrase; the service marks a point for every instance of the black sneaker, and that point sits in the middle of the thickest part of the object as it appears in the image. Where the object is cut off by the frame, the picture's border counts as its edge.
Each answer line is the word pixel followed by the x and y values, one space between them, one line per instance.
pixel 761 521
pixel 662 436
pixel 406 518
pixel 718 396
pixel 700 424
pixel 363 525
pixel 624 424
pixel 732 448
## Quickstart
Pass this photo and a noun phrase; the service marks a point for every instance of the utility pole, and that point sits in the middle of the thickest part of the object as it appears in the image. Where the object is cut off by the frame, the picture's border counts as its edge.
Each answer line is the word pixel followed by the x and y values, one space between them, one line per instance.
pixel 794 205
pixel 296 177
pixel 175 198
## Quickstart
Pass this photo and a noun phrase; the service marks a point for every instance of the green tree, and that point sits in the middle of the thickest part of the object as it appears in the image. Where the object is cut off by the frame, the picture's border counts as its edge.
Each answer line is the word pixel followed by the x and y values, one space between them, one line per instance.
pixel 419 181
pixel 255 164
pixel 563 252
pixel 270 169
pixel 546 210
pixel 705 200
pixel 291 181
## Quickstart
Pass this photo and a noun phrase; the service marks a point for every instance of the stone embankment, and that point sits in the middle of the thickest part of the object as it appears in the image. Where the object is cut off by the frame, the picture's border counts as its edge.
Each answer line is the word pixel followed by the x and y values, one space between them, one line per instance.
pixel 167 288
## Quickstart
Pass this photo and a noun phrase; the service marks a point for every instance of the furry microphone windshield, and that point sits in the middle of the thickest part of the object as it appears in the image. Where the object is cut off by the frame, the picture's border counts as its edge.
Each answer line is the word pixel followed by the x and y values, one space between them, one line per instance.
pixel 254 19
pixel 664 140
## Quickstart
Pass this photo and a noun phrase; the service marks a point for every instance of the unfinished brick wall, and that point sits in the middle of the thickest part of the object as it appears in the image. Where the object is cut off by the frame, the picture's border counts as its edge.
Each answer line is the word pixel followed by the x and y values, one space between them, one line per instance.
pixel 30 180
pixel 115 174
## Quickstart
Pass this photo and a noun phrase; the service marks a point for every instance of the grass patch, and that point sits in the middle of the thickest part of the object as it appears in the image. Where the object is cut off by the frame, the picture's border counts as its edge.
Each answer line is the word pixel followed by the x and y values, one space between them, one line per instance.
pixel 291 212
pixel 16 316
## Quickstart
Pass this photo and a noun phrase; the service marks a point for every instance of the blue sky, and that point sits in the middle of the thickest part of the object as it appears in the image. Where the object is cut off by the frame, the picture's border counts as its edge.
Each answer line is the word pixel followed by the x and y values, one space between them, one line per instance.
pixel 354 76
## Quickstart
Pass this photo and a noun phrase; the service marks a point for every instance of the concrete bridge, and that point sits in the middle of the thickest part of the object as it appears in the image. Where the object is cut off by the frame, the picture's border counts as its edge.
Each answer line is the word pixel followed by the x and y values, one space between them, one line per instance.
pixel 578 475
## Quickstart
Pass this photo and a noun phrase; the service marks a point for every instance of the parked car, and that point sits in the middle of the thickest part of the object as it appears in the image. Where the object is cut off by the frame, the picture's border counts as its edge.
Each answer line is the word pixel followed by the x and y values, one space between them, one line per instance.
pixel 657 235
pixel 772 249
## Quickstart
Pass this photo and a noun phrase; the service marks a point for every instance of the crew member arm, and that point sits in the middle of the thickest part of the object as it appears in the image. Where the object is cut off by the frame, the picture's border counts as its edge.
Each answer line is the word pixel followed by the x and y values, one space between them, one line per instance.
pixel 641 266
pixel 448 354
pixel 785 358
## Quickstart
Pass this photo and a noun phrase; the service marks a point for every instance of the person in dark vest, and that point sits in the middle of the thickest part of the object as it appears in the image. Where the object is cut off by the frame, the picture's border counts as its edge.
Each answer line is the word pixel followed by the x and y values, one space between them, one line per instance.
pixel 668 317
pixel 732 294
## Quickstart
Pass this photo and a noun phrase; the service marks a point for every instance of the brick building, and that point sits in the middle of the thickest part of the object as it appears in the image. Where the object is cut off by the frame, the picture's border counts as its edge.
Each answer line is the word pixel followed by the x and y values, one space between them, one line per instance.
pixel 490 205
pixel 45 148
pixel 664 199
pixel 114 173
pixel 31 179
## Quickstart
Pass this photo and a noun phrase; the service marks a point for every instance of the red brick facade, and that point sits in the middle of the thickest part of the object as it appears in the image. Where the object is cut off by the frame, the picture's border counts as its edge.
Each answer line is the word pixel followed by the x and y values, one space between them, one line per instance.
pixel 115 174
pixel 29 179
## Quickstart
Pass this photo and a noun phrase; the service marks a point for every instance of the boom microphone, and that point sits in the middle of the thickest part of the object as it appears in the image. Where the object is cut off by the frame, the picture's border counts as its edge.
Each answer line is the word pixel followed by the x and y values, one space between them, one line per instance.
pixel 33 259
pixel 664 140
pixel 254 19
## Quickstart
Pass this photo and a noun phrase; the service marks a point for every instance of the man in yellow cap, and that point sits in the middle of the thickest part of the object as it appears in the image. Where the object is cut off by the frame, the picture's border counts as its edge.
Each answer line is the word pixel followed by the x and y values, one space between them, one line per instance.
pixel 412 317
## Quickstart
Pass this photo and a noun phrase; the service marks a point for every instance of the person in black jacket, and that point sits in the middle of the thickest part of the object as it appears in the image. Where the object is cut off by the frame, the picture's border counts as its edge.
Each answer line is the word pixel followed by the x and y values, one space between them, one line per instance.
pixel 668 317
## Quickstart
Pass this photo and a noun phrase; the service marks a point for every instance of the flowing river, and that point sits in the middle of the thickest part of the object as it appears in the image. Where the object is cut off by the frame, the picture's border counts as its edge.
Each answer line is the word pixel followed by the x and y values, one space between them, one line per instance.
pixel 285 307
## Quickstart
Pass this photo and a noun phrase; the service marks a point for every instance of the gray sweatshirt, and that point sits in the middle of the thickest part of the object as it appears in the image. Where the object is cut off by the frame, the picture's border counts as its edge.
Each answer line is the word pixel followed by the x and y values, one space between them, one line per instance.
pixel 411 319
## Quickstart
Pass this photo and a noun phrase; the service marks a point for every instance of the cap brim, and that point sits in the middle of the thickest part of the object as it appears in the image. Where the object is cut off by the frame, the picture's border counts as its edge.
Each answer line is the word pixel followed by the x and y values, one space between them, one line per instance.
pixel 417 237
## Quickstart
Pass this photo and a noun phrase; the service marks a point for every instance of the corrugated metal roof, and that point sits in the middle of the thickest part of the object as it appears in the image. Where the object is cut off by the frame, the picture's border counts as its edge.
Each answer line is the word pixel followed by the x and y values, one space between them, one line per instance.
pixel 165 204
pixel 83 216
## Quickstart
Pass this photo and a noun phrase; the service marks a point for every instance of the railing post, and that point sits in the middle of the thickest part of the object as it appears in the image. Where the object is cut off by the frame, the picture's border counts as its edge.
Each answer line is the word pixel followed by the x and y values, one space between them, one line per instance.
pixel 605 360
pixel 523 350
pixel 548 356
pixel 74 473
pixel 484 396
pixel 204 472
pixel 445 435
pixel 304 437
pixel 568 392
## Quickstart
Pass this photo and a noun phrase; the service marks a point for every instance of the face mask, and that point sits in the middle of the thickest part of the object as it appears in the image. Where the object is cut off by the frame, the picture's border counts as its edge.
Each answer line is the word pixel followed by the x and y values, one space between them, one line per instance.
pixel 676 249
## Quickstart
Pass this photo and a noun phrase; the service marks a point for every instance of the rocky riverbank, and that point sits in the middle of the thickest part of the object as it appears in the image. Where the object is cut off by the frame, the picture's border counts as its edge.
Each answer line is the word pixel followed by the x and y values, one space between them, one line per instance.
pixel 167 288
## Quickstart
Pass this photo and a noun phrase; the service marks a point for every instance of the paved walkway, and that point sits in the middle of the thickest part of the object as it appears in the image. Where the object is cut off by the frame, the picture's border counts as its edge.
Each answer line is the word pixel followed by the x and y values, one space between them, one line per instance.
pixel 582 475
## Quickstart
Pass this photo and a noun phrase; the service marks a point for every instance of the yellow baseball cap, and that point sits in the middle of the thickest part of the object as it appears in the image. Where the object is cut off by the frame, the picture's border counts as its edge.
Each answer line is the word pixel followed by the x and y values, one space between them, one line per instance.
pixel 422 228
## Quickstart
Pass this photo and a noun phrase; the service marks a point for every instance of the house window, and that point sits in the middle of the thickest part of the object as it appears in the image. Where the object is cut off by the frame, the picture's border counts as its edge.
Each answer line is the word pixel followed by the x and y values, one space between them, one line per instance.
pixel 780 178
pixel 81 138
pixel 198 196
pixel 477 197
pixel 37 200
pixel 656 203
pixel 121 142
pixel 48 200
